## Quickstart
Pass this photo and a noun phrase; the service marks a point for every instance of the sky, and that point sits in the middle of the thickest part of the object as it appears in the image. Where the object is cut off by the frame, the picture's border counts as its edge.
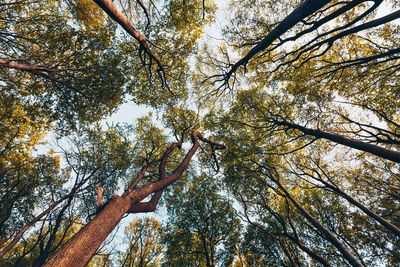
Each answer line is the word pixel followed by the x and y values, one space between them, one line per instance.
pixel 130 111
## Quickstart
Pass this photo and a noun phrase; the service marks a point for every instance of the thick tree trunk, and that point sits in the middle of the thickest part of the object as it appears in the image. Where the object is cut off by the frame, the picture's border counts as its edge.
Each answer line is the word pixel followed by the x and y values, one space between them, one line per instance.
pixel 79 250
pixel 366 147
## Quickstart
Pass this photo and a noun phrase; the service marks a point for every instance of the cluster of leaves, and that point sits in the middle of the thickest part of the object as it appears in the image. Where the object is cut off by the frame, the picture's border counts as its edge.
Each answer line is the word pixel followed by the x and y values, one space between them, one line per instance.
pixel 66 68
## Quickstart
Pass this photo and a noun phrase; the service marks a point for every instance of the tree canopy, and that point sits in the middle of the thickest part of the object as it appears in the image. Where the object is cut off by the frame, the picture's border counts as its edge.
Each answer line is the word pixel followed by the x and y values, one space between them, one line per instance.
pixel 273 137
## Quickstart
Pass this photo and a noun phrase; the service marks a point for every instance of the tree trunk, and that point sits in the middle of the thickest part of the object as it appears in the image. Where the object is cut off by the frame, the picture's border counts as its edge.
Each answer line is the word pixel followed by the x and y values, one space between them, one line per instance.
pixel 309 252
pixel 385 223
pixel 305 9
pixel 288 253
pixel 79 250
pixel 18 236
pixel 389 226
pixel 353 260
pixel 118 16
pixel 206 254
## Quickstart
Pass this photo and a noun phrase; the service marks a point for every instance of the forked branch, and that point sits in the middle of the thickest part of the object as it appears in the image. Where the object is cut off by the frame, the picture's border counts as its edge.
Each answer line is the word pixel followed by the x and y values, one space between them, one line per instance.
pixel 164 180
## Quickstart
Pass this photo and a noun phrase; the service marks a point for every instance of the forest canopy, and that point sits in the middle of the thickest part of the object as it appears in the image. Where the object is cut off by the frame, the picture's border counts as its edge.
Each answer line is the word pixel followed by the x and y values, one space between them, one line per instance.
pixel 273 137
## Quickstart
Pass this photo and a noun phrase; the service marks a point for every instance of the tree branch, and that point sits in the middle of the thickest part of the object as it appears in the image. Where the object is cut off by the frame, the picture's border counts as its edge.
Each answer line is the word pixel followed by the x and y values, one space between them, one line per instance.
pixel 113 12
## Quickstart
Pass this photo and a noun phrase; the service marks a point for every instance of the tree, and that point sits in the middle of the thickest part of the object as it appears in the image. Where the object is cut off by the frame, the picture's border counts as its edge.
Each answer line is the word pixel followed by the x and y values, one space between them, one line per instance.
pixel 264 146
pixel 144 240
pixel 203 229
pixel 94 156
pixel 65 68
pixel 78 252
pixel 30 252
pixel 304 20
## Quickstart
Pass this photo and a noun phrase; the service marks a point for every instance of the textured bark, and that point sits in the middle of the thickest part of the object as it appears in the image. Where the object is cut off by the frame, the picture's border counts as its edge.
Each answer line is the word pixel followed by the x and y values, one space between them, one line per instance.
pixel 366 147
pixel 80 249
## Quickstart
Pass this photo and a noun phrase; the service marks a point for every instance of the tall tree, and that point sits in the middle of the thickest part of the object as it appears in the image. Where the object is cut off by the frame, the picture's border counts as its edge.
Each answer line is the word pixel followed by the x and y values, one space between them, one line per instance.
pixel 66 68
pixel 202 229
pixel 77 251
pixel 144 241
pixel 94 156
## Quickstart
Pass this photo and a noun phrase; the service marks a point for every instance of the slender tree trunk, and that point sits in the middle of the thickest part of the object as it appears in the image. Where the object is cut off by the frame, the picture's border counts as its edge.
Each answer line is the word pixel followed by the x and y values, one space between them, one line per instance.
pixel 45 253
pixel 288 253
pixel 295 239
pixel 353 260
pixel 385 223
pixel 309 252
pixel 26 227
pixel 366 147
pixel 305 9
pixel 212 253
pixel 206 254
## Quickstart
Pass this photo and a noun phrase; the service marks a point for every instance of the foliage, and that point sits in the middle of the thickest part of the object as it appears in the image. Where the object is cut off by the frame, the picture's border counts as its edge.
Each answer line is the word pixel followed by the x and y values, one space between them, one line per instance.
pixel 304 95
pixel 144 240
pixel 202 229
